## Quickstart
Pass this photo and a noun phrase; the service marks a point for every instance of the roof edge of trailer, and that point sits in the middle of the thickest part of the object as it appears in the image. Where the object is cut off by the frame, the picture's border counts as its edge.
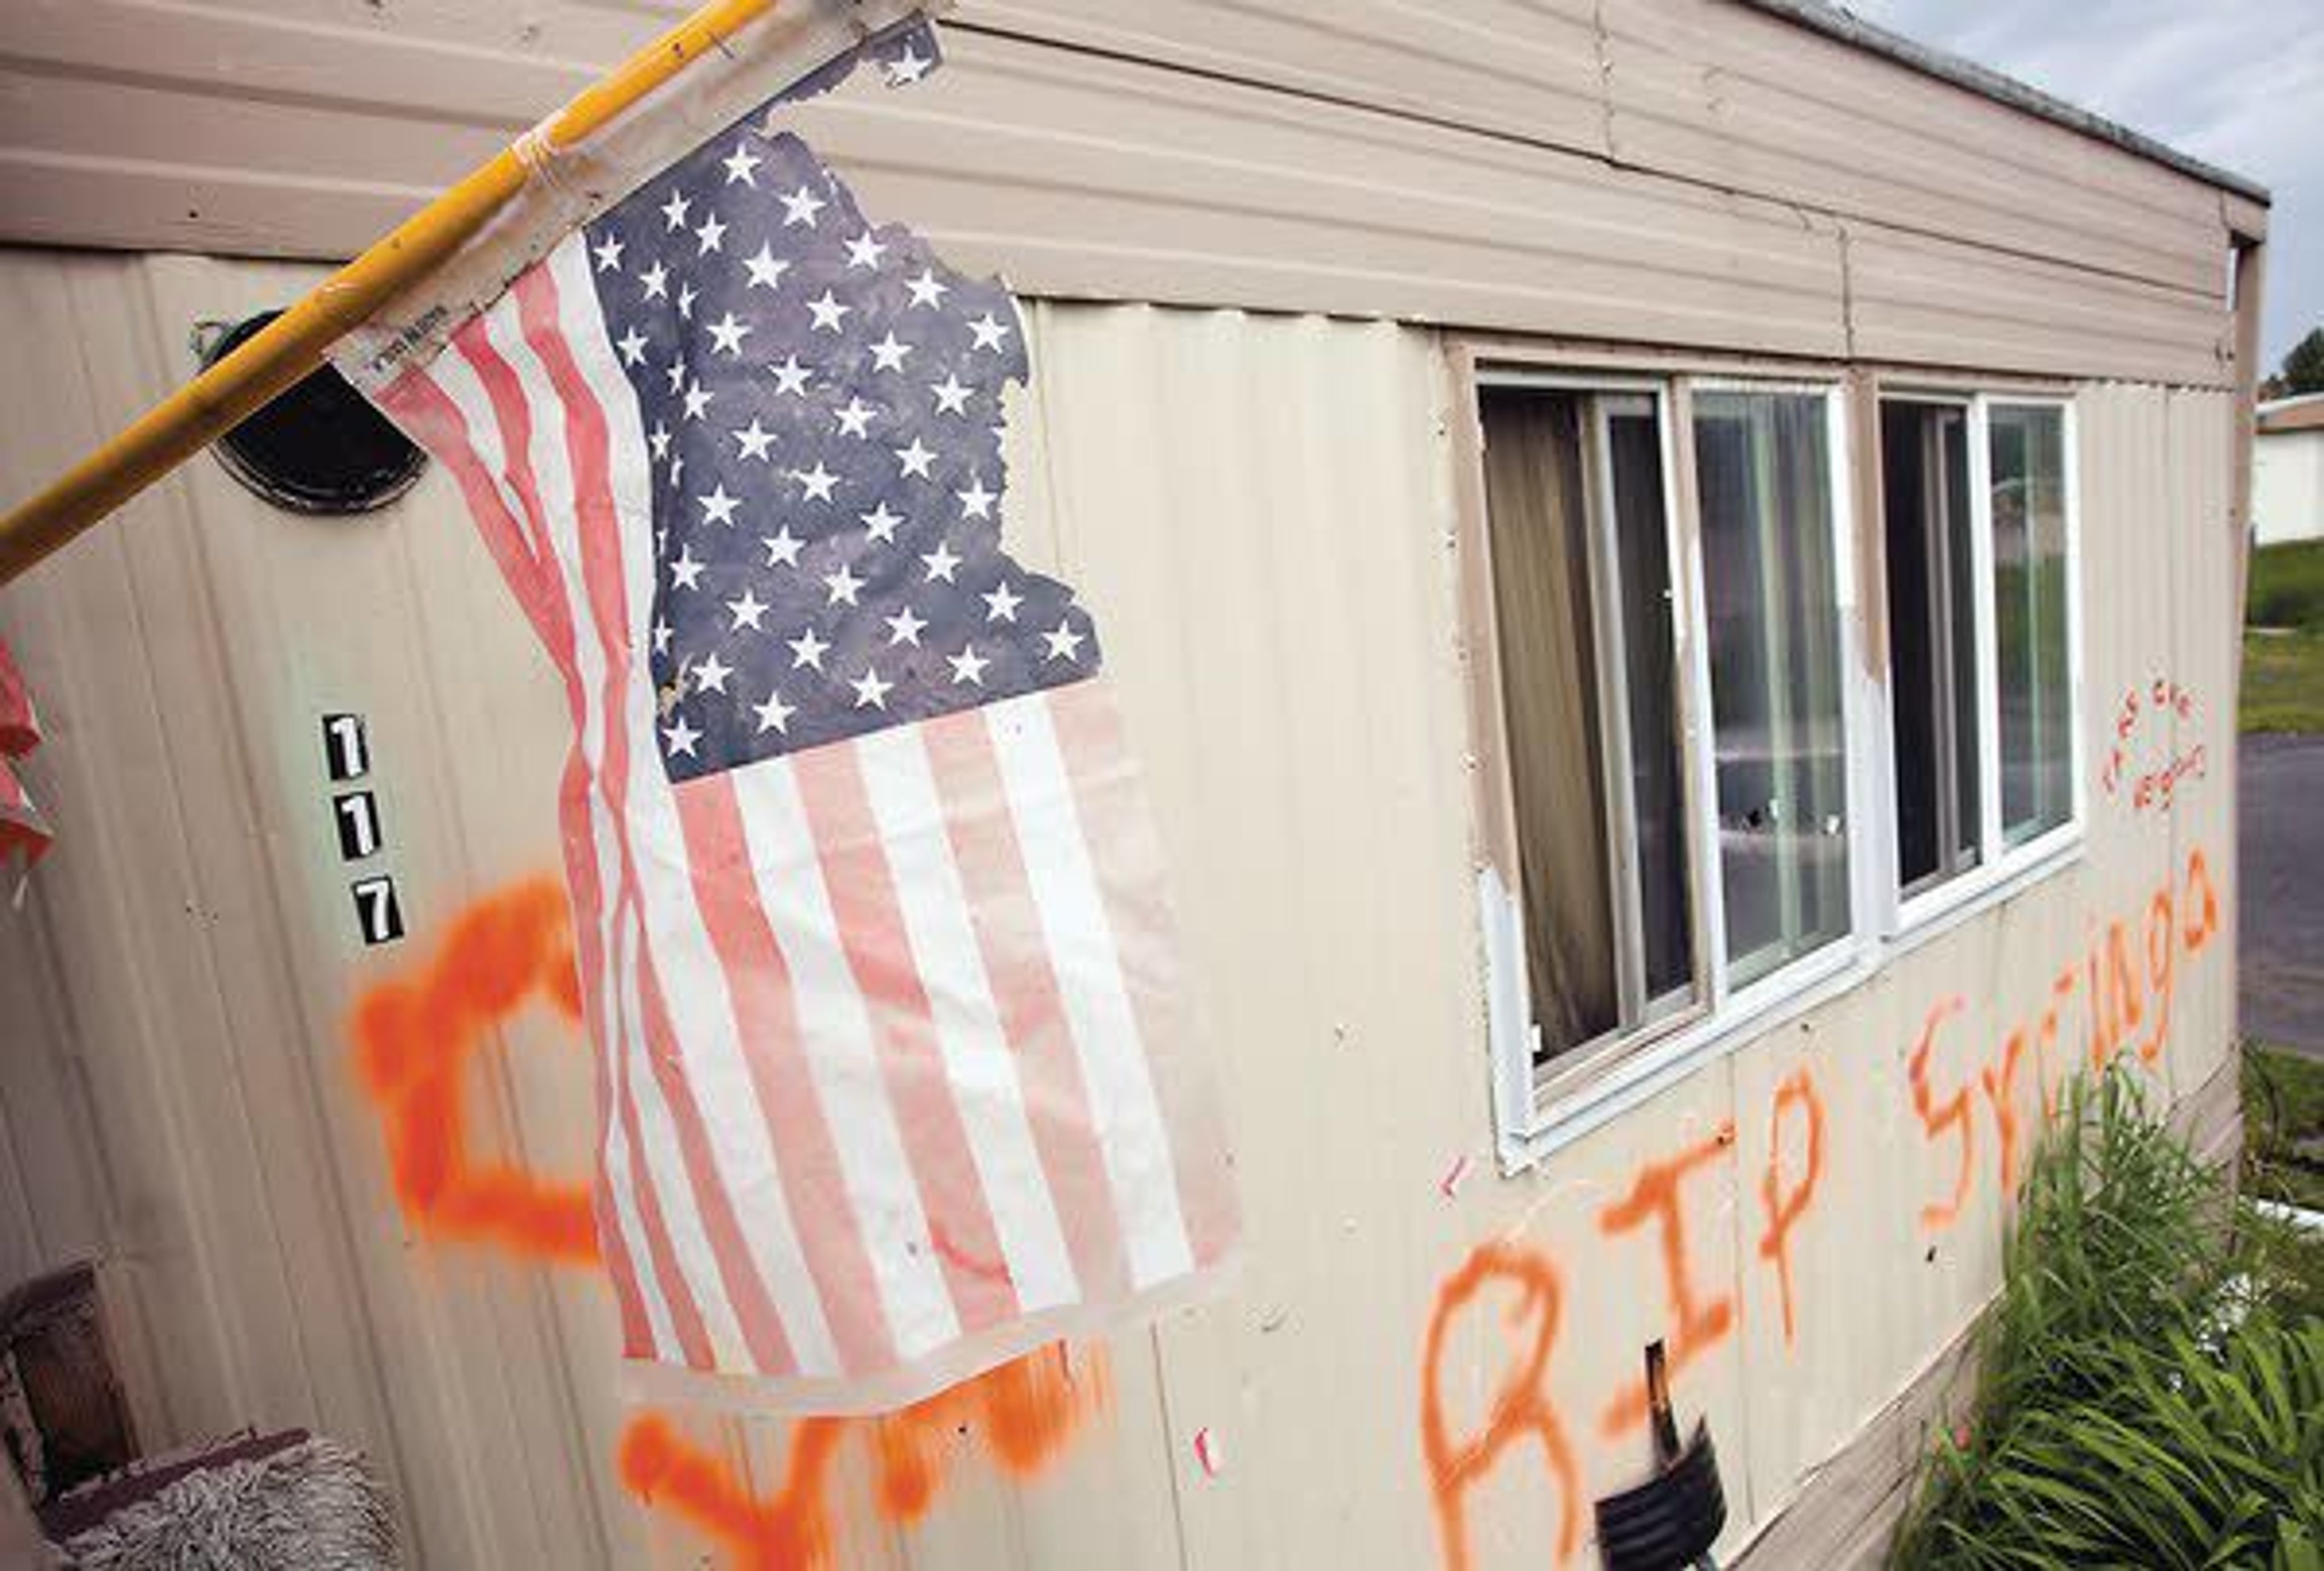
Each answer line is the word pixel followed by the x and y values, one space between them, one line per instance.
pixel 1836 23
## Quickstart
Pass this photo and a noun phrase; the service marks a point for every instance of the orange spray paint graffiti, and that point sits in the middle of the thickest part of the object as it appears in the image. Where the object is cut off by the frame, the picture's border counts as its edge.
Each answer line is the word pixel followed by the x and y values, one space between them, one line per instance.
pixel 1700 1324
pixel 1936 1118
pixel 1784 1209
pixel 413 1039
pixel 2118 1001
pixel 2158 786
pixel 2128 979
pixel 2001 1091
pixel 1025 1411
pixel 2062 988
pixel 1524 1281
pixel 2117 998
pixel 1521 1408
pixel 2162 969
pixel 413 1036
pixel 2203 902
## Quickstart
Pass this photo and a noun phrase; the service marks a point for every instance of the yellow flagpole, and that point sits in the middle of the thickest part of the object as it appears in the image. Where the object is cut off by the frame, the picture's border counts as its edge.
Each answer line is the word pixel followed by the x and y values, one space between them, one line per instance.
pixel 294 344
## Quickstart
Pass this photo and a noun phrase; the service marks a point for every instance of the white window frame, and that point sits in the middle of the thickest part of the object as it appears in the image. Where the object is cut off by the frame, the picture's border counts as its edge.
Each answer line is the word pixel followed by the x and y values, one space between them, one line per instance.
pixel 1607 637
pixel 2002 869
pixel 1545 1106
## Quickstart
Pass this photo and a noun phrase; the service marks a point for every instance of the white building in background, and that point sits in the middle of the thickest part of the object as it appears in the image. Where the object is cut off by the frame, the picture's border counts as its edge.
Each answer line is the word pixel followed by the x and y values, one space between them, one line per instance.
pixel 2288 470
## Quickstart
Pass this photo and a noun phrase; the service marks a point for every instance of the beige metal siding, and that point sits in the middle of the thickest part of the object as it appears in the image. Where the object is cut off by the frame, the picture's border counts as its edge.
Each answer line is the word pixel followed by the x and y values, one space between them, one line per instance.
pixel 1734 97
pixel 1918 298
pixel 1183 191
pixel 1668 170
pixel 1260 511
pixel 1529 71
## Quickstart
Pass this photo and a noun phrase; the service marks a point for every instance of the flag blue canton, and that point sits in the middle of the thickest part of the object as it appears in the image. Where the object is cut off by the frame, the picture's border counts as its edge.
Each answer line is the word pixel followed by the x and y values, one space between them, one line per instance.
pixel 822 403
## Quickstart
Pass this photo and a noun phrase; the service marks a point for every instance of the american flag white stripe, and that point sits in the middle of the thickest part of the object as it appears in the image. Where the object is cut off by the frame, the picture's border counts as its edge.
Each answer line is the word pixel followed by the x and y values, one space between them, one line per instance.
pixel 737 1179
pixel 1098 1009
pixel 448 408
pixel 860 886
pixel 767 1016
pixel 875 1163
pixel 1110 810
pixel 499 417
pixel 491 397
pixel 1025 986
pixel 912 815
pixel 497 354
pixel 651 1129
pixel 633 1103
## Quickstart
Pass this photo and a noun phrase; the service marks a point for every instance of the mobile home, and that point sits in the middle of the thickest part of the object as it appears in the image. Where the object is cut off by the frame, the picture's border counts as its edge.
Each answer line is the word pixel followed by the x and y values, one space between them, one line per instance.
pixel 1672 566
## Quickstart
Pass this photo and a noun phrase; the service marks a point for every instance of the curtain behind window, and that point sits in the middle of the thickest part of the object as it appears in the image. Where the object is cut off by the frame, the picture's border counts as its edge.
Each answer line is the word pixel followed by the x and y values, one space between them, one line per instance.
pixel 1550 687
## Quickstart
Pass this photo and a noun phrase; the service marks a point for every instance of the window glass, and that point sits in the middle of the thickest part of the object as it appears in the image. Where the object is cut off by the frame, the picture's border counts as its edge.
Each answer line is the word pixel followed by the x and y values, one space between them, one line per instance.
pixel 1932 639
pixel 1574 490
pixel 1764 468
pixel 2028 473
pixel 1657 778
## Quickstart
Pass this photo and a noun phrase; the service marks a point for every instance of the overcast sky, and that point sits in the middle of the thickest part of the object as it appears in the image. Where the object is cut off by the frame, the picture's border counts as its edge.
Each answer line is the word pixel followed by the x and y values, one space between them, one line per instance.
pixel 2237 83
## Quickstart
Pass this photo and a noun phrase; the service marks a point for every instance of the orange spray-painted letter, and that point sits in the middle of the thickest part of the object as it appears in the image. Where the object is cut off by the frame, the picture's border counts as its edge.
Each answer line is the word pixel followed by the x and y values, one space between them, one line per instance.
pixel 1521 1407
pixel 413 1038
pixel 1700 1324
pixel 1785 1209
pixel 2001 1090
pixel 1936 1118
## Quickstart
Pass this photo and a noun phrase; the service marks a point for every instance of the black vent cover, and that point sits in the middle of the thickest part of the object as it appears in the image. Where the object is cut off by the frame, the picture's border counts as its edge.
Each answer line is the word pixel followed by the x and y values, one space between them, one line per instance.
pixel 1672 1519
pixel 319 448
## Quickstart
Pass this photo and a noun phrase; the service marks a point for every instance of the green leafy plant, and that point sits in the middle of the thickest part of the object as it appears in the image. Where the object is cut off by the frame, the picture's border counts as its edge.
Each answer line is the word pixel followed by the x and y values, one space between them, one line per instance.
pixel 2150 1384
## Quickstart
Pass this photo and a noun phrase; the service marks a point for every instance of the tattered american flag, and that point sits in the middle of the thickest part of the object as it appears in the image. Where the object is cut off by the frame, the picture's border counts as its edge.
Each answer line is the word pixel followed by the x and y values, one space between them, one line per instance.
pixel 893 1074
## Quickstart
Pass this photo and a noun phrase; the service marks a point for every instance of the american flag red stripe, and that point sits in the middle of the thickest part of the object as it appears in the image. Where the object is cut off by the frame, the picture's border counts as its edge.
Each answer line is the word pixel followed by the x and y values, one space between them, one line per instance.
pixel 1113 810
pixel 864 905
pixel 1026 995
pixel 467 434
pixel 886 1055
pixel 22 827
pixel 718 851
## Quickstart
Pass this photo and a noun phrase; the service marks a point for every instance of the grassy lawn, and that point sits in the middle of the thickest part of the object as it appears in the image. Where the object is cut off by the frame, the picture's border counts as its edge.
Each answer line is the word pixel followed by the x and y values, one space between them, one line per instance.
pixel 2283 680
pixel 2283 639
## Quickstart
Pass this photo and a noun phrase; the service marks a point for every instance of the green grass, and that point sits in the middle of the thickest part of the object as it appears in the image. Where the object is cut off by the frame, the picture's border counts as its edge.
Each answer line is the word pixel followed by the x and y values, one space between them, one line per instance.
pixel 2287 586
pixel 2284 681
pixel 2284 666
pixel 2151 1379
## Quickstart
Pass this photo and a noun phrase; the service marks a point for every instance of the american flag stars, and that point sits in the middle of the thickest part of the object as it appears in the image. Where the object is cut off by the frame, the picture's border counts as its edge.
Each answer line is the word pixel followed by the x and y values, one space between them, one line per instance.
pixel 755 440
pixel 765 268
pixel 822 399
pixel 801 207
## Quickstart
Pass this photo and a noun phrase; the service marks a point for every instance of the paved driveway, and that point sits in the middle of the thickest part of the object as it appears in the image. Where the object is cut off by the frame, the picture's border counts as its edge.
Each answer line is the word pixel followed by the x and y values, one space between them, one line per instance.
pixel 2282 906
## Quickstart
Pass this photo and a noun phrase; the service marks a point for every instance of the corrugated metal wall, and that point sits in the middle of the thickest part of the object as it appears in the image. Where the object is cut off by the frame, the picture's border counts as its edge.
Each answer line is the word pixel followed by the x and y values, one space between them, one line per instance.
pixel 1260 511
pixel 1675 171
